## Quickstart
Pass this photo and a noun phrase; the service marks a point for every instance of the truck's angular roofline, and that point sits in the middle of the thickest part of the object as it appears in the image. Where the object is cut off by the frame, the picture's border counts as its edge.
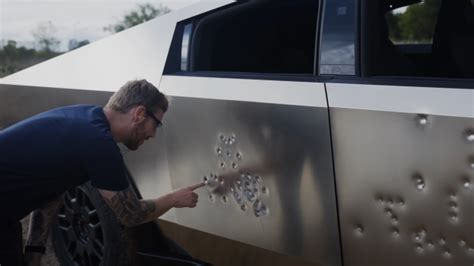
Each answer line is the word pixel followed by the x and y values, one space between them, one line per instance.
pixel 105 65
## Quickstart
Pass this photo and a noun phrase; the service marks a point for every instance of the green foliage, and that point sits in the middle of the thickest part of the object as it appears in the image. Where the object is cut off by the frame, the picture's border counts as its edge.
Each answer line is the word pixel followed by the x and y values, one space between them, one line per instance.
pixel 393 21
pixel 416 24
pixel 74 44
pixel 143 13
pixel 13 58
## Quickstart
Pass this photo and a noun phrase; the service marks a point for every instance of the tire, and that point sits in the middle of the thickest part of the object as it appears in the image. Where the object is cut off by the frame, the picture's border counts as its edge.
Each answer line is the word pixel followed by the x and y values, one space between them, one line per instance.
pixel 87 232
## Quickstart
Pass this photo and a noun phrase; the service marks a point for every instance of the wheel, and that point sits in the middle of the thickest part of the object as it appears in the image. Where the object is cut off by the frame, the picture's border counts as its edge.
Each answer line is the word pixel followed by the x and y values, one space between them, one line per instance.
pixel 86 232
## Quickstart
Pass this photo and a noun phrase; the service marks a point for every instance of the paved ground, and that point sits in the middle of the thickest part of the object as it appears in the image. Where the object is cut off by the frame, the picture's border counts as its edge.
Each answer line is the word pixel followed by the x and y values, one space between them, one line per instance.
pixel 49 259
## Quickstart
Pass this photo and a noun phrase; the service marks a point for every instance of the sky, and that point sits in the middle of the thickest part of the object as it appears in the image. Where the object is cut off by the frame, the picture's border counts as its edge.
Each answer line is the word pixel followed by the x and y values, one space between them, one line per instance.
pixel 71 19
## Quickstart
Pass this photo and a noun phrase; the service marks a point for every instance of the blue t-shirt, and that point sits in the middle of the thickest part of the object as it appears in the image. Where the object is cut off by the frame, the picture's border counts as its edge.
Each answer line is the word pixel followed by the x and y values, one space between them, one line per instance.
pixel 45 155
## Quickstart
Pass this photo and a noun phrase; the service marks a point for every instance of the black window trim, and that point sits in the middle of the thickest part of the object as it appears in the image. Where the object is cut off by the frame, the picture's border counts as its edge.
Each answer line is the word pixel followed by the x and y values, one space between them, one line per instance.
pixel 249 75
pixel 416 81
pixel 428 82
pixel 357 39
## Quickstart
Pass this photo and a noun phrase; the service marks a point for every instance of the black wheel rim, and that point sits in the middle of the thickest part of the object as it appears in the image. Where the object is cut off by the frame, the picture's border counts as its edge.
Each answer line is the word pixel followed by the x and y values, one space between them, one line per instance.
pixel 81 229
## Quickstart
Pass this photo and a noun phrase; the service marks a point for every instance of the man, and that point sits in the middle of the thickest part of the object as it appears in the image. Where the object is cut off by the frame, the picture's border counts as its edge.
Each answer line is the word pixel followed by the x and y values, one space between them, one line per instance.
pixel 45 155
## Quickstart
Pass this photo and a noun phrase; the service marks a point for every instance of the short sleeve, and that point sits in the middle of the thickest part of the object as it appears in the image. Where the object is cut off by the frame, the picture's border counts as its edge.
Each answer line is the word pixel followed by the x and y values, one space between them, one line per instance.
pixel 104 164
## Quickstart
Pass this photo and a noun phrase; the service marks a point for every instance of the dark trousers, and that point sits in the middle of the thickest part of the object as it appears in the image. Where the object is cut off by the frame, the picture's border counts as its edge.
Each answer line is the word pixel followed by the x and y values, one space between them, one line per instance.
pixel 11 243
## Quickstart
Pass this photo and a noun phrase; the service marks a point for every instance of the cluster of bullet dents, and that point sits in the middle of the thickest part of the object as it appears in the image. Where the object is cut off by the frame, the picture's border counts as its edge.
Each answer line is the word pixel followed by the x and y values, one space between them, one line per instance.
pixel 246 188
pixel 422 240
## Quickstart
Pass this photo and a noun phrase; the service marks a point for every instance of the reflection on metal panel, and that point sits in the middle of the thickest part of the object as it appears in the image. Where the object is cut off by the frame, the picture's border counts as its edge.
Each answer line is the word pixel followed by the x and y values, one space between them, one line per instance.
pixel 248 90
pixel 149 168
pixel 268 169
pixel 337 69
pixel 405 187
pixel 278 154
pixel 20 102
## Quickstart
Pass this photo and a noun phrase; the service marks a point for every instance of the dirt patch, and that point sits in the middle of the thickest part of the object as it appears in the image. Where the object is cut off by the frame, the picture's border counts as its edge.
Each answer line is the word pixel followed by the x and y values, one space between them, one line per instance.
pixel 49 258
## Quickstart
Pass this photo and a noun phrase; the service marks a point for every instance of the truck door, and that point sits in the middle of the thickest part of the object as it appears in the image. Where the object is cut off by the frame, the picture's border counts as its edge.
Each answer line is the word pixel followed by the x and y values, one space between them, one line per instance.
pixel 250 118
pixel 402 130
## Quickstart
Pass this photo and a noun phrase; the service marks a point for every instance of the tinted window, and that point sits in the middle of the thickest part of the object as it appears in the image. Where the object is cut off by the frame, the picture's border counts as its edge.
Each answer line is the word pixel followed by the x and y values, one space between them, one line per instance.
pixel 431 38
pixel 256 36
pixel 413 24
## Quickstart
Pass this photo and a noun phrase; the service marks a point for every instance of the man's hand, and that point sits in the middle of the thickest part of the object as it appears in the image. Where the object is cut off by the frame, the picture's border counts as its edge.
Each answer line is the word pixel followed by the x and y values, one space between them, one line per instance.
pixel 132 211
pixel 186 197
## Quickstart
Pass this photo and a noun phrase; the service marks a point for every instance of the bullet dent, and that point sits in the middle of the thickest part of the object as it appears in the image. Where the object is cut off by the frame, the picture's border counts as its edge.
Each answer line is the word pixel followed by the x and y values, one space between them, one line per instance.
pixel 404 222
pixel 470 135
pixel 419 182
pixel 422 120
pixel 359 230
pixel 246 188
pixel 466 183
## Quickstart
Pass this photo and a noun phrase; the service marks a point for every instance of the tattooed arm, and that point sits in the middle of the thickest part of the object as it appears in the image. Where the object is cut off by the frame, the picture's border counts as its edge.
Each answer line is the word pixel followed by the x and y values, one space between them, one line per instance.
pixel 40 223
pixel 132 211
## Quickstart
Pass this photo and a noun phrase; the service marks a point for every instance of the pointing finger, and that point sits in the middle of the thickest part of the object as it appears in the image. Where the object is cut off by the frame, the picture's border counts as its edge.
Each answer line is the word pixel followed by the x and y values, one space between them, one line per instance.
pixel 197 186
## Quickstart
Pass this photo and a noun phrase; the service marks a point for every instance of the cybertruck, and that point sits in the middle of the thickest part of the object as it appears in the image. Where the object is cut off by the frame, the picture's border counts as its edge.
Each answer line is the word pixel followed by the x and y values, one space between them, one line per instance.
pixel 322 140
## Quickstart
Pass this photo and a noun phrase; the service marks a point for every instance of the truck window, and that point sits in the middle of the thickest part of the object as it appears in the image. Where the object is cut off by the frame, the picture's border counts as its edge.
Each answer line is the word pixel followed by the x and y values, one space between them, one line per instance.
pixel 413 24
pixel 259 36
pixel 430 38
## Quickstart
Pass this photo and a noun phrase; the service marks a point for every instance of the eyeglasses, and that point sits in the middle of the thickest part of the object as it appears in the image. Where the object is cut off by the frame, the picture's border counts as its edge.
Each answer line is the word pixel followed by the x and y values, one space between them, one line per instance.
pixel 157 121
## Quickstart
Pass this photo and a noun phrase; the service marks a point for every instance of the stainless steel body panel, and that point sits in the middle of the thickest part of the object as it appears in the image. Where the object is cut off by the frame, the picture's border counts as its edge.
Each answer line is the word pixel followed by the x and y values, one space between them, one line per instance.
pixel 149 168
pixel 20 102
pixel 248 90
pixel 286 146
pixel 404 179
pixel 276 142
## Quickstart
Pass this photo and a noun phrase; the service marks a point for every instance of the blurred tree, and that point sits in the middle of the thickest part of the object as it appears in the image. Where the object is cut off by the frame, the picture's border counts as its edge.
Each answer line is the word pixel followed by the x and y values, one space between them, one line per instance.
pixel 14 58
pixel 44 36
pixel 10 49
pixel 419 21
pixel 74 44
pixel 416 24
pixel 143 13
pixel 393 21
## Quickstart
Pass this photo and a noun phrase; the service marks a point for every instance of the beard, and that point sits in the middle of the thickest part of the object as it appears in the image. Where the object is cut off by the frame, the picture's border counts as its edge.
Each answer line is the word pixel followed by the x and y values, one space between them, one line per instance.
pixel 134 141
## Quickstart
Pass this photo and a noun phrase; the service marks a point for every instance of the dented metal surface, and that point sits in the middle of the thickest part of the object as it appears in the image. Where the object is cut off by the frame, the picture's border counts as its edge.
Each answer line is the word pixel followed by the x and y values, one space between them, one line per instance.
pixel 403 155
pixel 270 181
pixel 404 180
pixel 405 188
